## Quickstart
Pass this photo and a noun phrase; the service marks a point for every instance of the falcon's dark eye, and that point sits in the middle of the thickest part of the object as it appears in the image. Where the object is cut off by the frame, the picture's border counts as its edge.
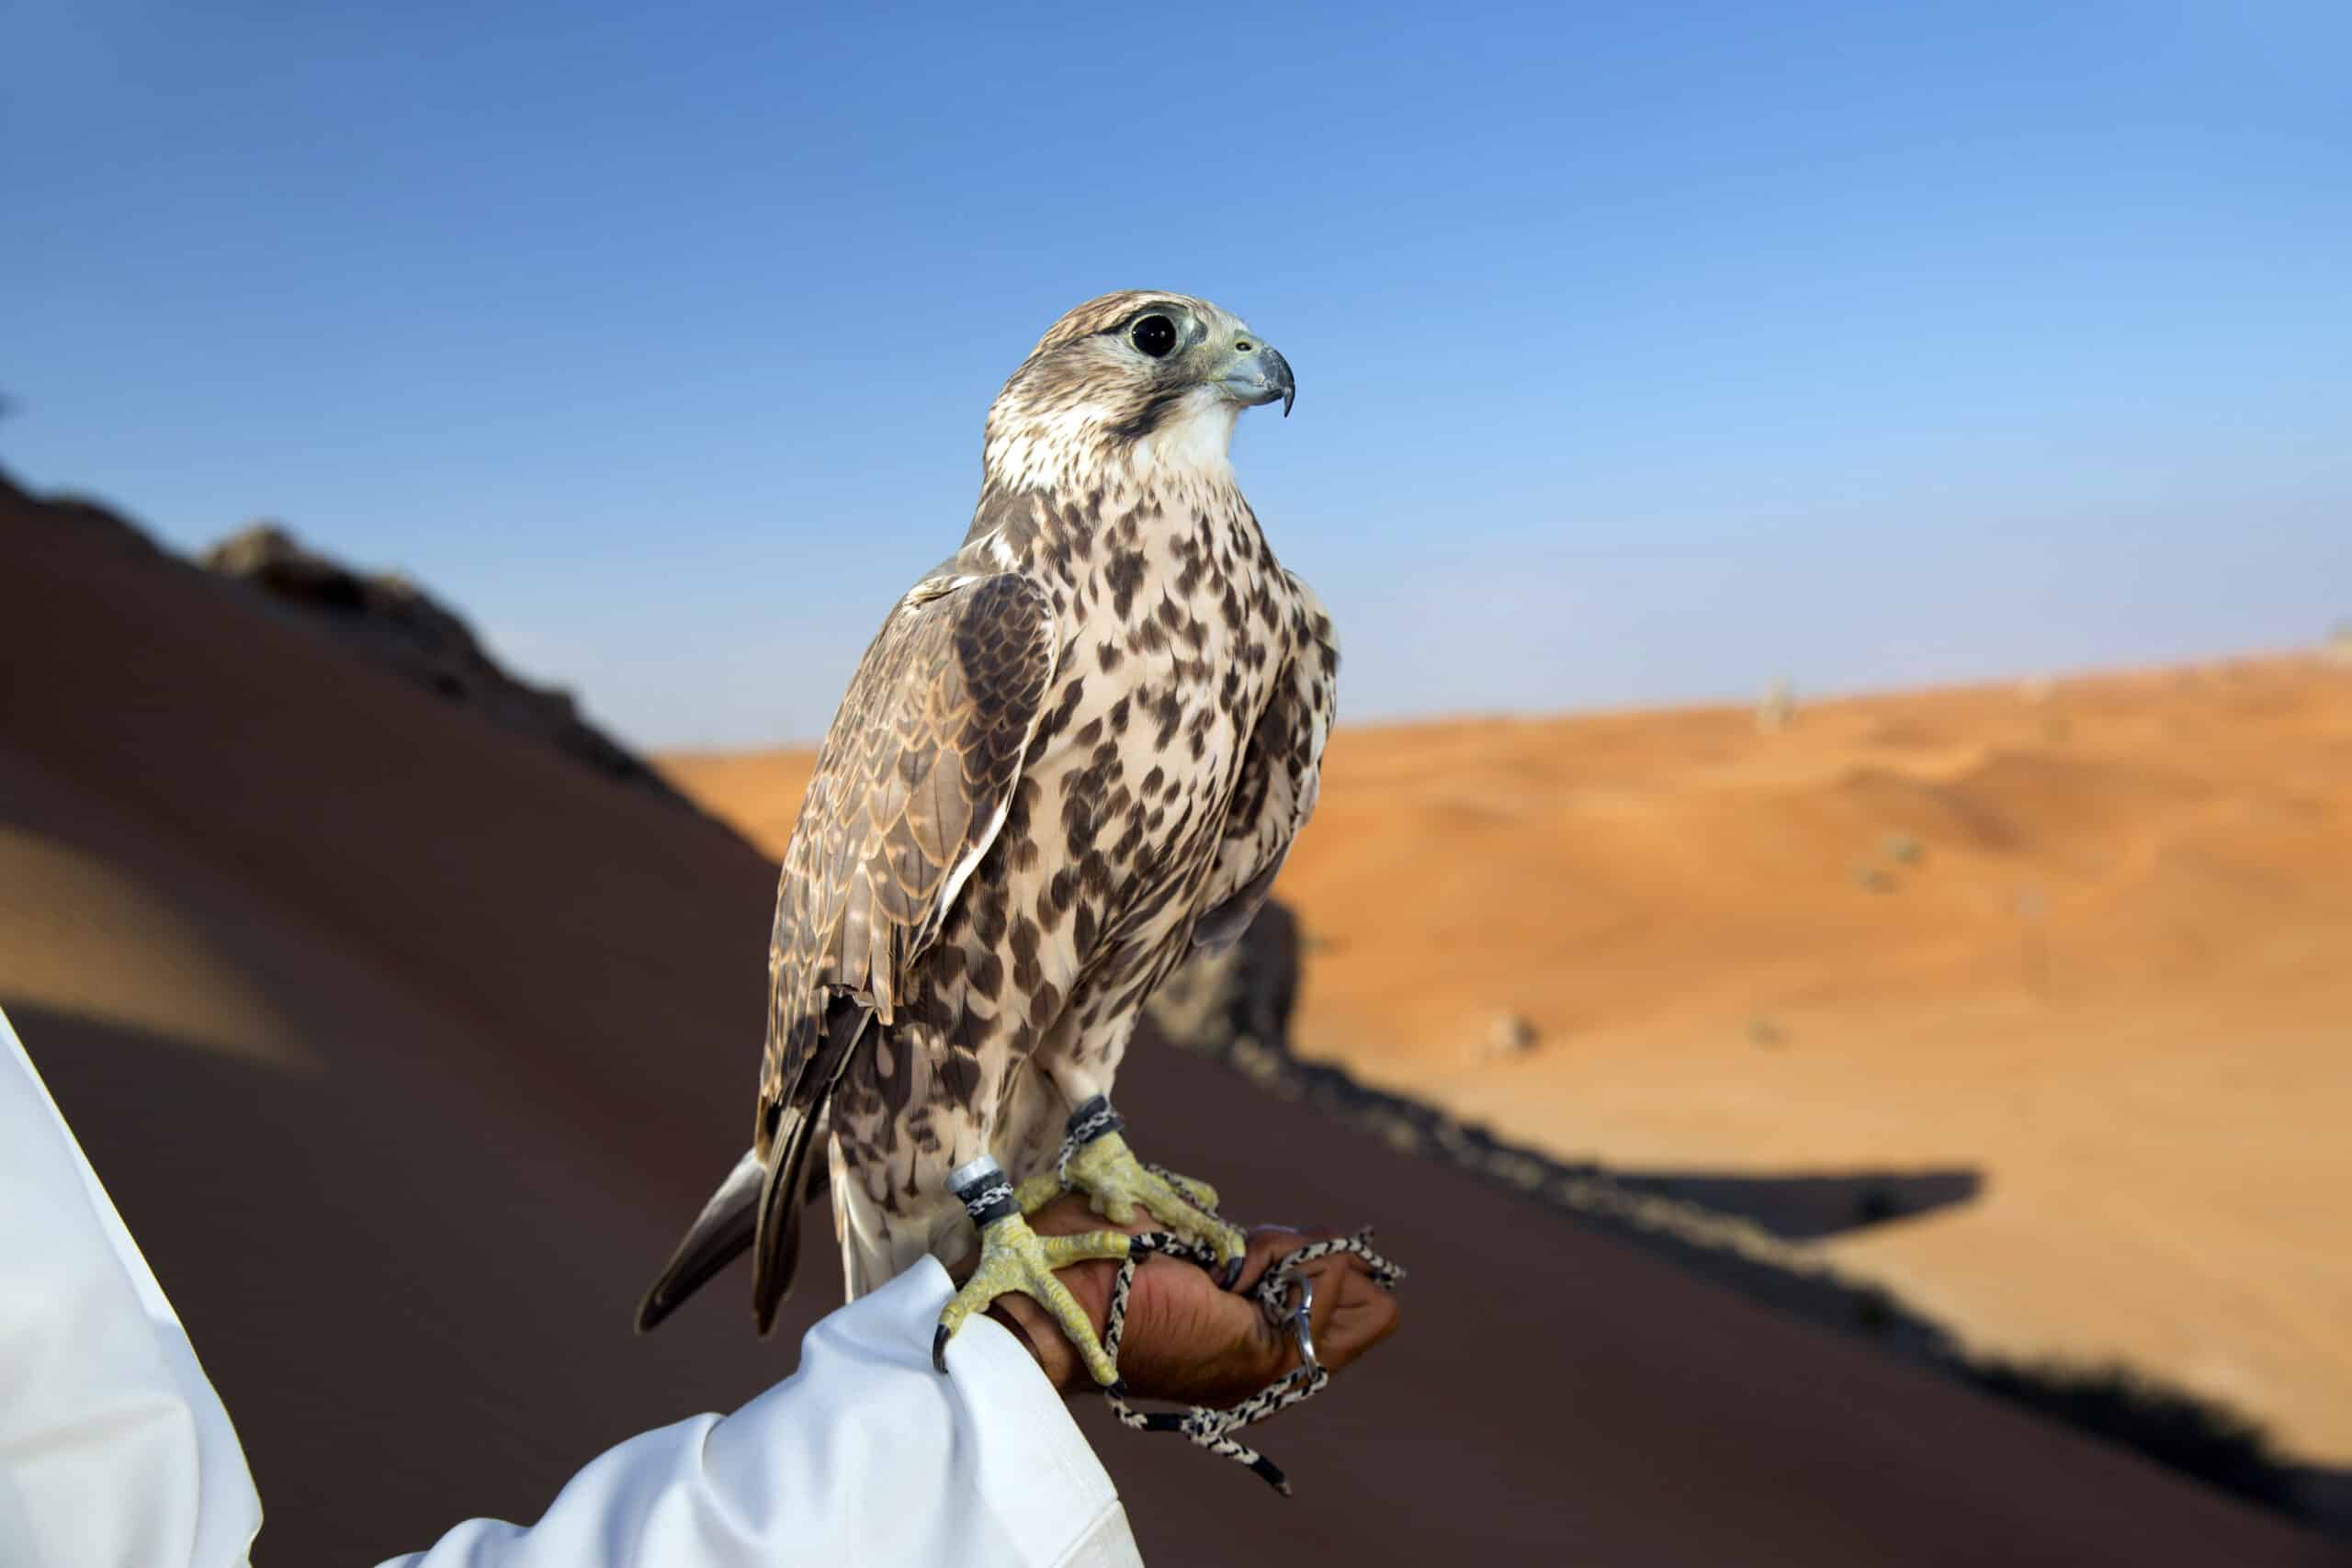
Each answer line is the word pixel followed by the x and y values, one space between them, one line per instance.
pixel 1154 334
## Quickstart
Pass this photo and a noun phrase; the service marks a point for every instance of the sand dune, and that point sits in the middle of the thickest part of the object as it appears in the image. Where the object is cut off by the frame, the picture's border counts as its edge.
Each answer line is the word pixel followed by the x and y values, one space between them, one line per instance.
pixel 404 1047
pixel 2091 940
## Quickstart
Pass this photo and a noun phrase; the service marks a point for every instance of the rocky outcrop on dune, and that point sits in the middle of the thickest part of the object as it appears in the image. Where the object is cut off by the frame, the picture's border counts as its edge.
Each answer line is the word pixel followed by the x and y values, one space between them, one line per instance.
pixel 384 619
pixel 395 623
pixel 83 516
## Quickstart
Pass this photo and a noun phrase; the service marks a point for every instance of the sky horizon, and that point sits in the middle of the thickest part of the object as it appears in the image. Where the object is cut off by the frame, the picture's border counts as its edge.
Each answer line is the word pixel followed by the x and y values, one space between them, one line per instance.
pixel 1643 358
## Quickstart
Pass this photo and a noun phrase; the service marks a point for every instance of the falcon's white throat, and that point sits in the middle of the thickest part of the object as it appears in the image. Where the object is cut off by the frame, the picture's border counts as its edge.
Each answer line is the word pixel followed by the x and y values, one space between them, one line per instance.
pixel 1195 442
pixel 1192 444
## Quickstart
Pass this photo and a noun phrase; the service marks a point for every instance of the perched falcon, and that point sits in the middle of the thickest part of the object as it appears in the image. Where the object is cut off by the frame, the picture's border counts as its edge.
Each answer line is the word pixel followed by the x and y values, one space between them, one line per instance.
pixel 1076 750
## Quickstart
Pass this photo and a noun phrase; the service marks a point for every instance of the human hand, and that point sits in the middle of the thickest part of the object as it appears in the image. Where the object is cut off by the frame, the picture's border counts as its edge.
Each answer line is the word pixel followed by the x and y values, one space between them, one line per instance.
pixel 1187 1340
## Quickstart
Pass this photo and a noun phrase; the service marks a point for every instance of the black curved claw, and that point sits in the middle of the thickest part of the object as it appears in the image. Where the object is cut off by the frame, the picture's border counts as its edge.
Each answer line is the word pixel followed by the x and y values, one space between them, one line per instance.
pixel 939 1349
pixel 1233 1273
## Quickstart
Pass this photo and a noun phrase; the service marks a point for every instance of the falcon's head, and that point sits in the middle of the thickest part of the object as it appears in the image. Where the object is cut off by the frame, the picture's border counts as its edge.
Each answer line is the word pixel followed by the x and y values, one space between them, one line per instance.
pixel 1139 379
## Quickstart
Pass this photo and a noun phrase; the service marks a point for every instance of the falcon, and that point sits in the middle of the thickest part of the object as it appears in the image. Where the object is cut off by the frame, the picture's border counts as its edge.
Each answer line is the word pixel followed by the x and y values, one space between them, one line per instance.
pixel 1075 754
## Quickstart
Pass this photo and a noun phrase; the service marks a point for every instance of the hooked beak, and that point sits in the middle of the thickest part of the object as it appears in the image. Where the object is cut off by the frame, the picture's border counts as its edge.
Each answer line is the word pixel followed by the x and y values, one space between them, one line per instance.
pixel 1258 375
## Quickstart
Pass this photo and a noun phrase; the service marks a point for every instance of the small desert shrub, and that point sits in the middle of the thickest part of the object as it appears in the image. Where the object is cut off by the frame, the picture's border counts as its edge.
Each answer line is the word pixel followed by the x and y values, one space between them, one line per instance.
pixel 1511 1034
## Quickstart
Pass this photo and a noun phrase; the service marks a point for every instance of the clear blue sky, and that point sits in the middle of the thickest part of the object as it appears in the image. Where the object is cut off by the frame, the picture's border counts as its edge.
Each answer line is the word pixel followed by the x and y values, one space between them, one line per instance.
pixel 1646 352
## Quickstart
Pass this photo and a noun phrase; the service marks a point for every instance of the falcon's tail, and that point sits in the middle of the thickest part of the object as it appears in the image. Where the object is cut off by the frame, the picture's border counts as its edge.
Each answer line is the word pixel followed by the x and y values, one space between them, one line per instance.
pixel 718 1234
pixel 786 1188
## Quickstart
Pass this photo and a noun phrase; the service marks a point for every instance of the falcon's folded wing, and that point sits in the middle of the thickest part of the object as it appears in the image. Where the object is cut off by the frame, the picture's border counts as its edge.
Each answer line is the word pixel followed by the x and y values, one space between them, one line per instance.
pixel 910 792
pixel 910 789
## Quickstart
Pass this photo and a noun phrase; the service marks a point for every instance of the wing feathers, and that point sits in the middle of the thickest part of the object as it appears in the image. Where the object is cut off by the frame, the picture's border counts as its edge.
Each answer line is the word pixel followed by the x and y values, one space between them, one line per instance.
pixel 910 790
pixel 784 1188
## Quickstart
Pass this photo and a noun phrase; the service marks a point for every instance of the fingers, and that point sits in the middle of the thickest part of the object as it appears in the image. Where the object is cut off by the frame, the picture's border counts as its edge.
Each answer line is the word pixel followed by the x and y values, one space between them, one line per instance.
pixel 1269 1245
pixel 1351 1313
pixel 1190 1341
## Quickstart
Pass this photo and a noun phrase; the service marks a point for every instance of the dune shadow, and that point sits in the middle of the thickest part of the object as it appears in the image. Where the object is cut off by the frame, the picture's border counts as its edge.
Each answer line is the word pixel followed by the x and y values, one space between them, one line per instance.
pixel 1810 1205
pixel 1745 1233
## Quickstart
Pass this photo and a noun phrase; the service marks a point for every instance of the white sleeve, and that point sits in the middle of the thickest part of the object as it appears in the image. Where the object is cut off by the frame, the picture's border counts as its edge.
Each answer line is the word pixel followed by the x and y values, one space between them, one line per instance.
pixel 113 1451
pixel 864 1455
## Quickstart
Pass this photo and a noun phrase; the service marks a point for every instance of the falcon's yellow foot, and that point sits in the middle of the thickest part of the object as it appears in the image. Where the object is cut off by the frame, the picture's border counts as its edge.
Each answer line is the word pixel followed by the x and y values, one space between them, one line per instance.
pixel 1119 1186
pixel 1014 1259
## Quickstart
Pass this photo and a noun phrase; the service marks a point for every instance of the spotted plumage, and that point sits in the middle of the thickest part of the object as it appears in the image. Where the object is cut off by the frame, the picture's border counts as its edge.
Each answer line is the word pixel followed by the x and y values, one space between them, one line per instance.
pixel 1076 749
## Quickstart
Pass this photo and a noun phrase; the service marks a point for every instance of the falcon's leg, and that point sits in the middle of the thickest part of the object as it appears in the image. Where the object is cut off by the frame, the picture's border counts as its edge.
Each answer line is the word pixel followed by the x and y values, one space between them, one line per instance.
pixel 1097 1161
pixel 1015 1259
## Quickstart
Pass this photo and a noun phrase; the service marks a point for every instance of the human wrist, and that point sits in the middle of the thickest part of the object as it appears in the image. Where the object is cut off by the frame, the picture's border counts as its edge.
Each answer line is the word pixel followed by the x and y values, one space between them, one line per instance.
pixel 1037 1332
pixel 1013 1322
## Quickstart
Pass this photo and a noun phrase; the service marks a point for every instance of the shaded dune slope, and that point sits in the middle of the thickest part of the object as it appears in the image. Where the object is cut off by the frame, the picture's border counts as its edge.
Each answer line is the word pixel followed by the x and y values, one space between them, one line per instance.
pixel 405 1045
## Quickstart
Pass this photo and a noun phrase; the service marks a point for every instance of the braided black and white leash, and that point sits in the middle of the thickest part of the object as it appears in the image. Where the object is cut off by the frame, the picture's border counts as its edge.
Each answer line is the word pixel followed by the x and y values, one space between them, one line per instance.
pixel 1210 1428
pixel 1213 1430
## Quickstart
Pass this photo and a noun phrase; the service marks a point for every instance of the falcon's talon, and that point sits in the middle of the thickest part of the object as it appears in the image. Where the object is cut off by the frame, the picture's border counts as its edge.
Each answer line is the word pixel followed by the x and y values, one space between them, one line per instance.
pixel 1198 1194
pixel 1016 1259
pixel 1039 1190
pixel 1119 1186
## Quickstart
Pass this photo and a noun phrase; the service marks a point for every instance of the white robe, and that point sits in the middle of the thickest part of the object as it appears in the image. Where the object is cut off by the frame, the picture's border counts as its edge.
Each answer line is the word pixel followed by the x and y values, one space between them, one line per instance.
pixel 115 1449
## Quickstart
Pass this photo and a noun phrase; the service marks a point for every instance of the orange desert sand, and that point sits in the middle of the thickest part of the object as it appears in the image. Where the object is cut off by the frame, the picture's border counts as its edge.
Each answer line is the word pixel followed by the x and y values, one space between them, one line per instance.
pixel 2088 937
